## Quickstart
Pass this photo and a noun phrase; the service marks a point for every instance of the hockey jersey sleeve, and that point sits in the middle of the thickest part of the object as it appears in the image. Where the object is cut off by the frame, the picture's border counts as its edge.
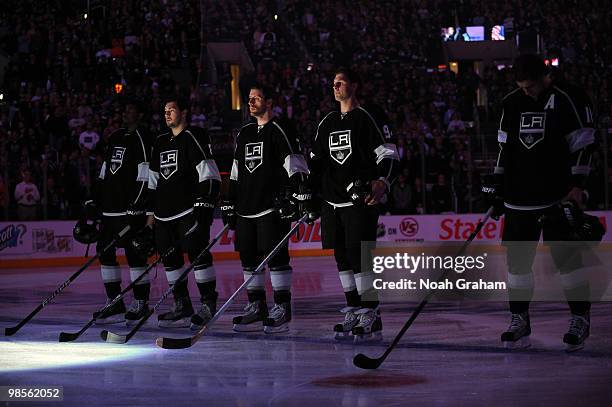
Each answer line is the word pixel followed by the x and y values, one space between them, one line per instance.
pixel 383 149
pixel 233 180
pixel 315 159
pixel 287 150
pixel 142 154
pixel 502 137
pixel 579 133
pixel 153 178
pixel 201 157
pixel 97 186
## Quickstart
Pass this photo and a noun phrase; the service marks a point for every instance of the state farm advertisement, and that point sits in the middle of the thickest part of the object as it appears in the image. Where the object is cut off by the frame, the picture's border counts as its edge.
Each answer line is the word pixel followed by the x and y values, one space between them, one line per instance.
pixel 53 239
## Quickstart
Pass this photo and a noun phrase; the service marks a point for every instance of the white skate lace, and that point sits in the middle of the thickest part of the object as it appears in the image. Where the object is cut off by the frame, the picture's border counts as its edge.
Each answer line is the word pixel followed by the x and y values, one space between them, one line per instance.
pixel 177 306
pixel 277 312
pixel 204 311
pixel 578 325
pixel 516 323
pixel 136 306
pixel 366 318
pixel 349 319
pixel 250 308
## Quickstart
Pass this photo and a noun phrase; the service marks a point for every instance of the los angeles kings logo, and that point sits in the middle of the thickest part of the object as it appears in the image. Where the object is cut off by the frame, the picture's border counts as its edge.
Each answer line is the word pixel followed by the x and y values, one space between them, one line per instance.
pixel 340 145
pixel 116 159
pixel 168 163
pixel 533 127
pixel 253 155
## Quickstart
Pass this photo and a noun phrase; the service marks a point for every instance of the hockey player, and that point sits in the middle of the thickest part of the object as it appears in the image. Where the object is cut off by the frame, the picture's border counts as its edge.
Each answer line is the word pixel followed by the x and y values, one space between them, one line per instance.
pixel 353 161
pixel 267 162
pixel 120 195
pixel 184 184
pixel 545 136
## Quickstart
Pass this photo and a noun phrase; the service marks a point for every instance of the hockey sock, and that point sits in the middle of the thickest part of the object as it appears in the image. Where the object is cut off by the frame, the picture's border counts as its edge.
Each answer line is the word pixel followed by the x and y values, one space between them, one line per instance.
pixel 282 296
pixel 352 298
pixel 180 290
pixel 113 288
pixel 280 277
pixel 206 279
pixel 111 275
pixel 347 279
pixel 256 295
pixel 520 290
pixel 365 288
pixel 142 291
pixel 208 290
pixel 143 287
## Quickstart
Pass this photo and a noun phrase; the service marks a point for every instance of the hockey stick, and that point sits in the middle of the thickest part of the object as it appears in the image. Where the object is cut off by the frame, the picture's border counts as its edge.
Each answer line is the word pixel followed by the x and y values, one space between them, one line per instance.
pixel 11 330
pixel 71 336
pixel 182 343
pixel 364 362
pixel 112 337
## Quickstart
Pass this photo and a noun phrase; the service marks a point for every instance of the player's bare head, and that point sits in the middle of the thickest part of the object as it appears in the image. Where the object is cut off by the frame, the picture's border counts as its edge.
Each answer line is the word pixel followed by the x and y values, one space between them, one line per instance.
pixel 261 98
pixel 175 111
pixel 530 73
pixel 347 83
pixel 132 113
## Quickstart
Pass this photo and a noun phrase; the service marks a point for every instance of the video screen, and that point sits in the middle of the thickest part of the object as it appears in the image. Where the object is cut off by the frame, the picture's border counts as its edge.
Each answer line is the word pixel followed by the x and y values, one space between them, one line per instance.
pixel 498 33
pixel 473 33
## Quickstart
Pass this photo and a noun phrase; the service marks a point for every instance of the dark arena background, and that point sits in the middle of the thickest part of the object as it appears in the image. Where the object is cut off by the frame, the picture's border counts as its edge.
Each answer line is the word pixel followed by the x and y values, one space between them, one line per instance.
pixel 438 70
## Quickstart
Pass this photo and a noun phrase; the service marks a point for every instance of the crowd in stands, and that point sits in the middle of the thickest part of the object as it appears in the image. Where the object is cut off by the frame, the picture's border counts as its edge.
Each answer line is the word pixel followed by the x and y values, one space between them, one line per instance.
pixel 61 102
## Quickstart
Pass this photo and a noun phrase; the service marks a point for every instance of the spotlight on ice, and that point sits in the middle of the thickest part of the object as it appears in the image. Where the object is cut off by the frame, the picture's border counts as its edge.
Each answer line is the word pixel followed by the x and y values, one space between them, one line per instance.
pixel 21 356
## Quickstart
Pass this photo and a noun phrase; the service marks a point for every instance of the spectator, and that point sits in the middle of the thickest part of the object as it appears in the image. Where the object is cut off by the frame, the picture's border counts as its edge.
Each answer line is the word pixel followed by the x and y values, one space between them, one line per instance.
pixel 27 198
pixel 402 196
pixel 441 196
pixel 456 125
pixel 89 138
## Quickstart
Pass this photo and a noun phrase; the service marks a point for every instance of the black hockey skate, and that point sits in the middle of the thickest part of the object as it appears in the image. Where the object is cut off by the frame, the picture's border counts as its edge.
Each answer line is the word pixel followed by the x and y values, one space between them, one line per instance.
pixel 252 320
pixel 579 330
pixel 205 314
pixel 369 328
pixel 137 311
pixel 179 316
pixel 112 315
pixel 279 319
pixel 344 330
pixel 517 335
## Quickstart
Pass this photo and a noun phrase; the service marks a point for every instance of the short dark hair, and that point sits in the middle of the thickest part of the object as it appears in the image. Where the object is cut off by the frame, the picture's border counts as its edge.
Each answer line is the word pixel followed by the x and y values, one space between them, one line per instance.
pixel 268 92
pixel 529 67
pixel 138 105
pixel 350 74
pixel 181 102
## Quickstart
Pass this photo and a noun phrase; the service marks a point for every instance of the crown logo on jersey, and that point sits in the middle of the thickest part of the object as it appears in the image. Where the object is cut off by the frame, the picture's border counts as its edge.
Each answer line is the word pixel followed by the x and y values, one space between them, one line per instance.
pixel 532 128
pixel 168 163
pixel 340 145
pixel 253 155
pixel 116 160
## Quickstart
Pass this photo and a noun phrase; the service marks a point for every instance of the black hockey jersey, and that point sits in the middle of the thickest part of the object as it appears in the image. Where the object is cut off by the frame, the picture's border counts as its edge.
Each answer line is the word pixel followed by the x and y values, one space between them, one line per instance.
pixel 125 172
pixel 264 160
pixel 182 170
pixel 545 145
pixel 348 147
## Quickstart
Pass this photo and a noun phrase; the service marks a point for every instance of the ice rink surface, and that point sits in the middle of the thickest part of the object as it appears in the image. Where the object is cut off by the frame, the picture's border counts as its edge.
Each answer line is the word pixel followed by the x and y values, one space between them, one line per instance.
pixel 450 356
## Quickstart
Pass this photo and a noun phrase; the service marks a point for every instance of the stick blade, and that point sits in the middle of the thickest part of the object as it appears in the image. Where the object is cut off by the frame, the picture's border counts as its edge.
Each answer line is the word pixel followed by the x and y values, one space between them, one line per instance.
pixel 112 337
pixel 363 362
pixel 10 330
pixel 174 343
pixel 68 337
